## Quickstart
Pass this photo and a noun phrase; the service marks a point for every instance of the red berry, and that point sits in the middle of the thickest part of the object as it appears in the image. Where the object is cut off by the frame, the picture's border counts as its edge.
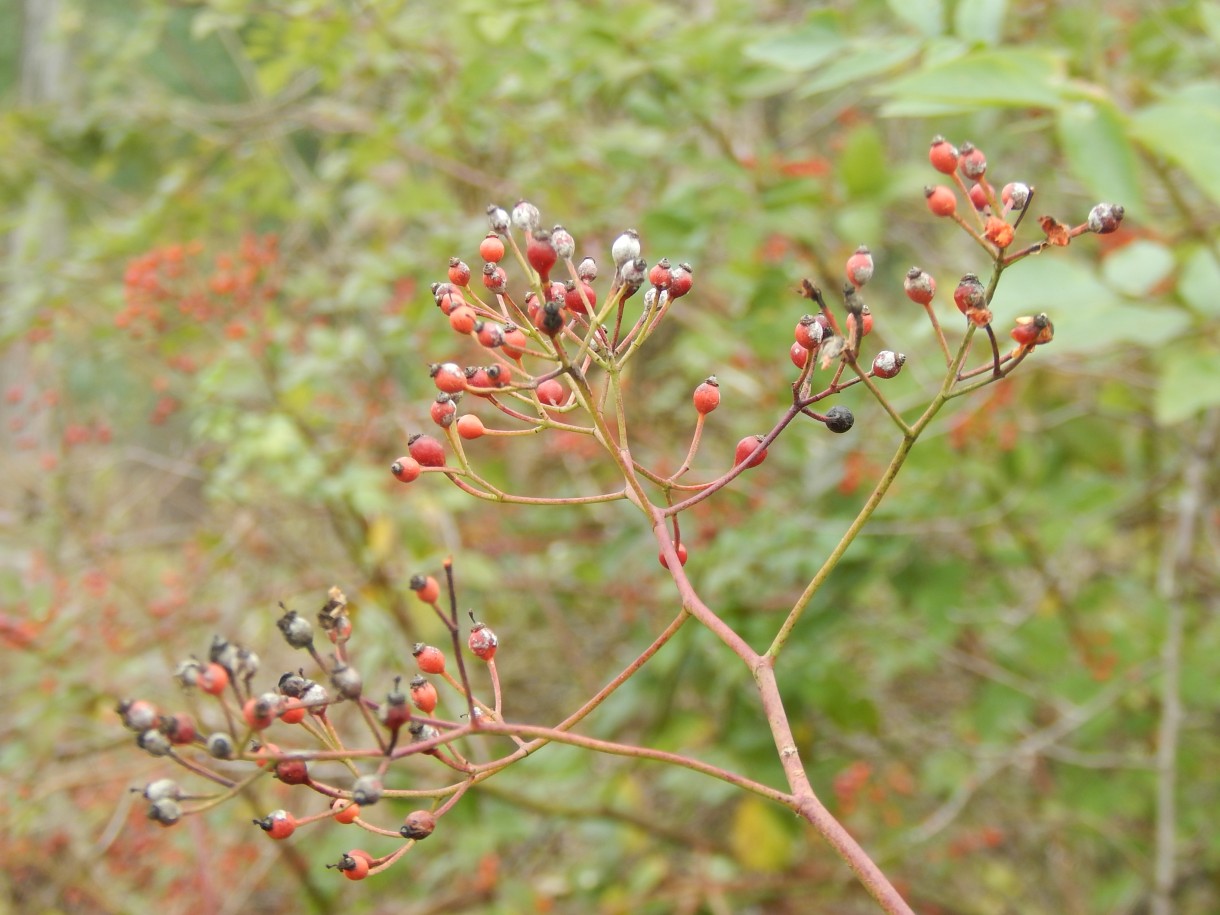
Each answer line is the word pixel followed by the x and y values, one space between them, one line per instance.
pixel 213 679
pixel 418 824
pixel 1015 195
pixel 745 447
pixel 920 286
pixel 293 715
pixel 179 728
pixel 449 299
pixel 707 396
pixel 463 319
pixel 973 163
pixel 354 865
pixel 431 660
pixel 459 272
pixel 260 712
pixel 483 641
pixel 292 771
pixel 943 155
pixel 660 275
pixel 395 713
pixel 263 754
pixel 859 267
pixel 470 426
pixel 552 392
pixel 680 549
pixel 799 355
pixel 443 410
pixel 423 694
pixel 494 277
pixel 1030 331
pixel 491 249
pixel 406 469
pixel 941 200
pixel 680 281
pixel 541 254
pixel 425 588
pixel 279 824
pixel 427 450
pixel 970 294
pixel 449 377
pixel 866 322
pixel 572 297
pixel 978 197
pixel 809 332
pixel 344 811
pixel 514 341
pixel 887 364
pixel 490 334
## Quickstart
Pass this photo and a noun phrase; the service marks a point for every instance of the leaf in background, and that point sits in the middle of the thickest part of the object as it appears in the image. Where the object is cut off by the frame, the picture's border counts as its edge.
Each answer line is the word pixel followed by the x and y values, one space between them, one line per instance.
pixel 760 837
pixel 867 59
pixel 1186 131
pixel 1189 382
pixel 1089 317
pixel 806 48
pixel 861 164
pixel 1138 268
pixel 1199 282
pixel 1095 142
pixel 999 77
pixel 928 16
pixel 980 20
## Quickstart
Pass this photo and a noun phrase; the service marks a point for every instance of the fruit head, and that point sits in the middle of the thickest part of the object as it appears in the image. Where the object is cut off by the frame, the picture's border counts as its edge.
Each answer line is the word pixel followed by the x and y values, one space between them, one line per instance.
pixel 809 332
pixel 973 163
pixel 919 286
pixel 680 549
pixel 887 364
pixel 483 642
pixel 406 469
pixel 941 200
pixel 707 396
pixel 745 448
pixel 470 427
pixel 943 155
pixel 491 249
pixel 552 392
pixel 839 419
pixel 426 450
pixel 859 267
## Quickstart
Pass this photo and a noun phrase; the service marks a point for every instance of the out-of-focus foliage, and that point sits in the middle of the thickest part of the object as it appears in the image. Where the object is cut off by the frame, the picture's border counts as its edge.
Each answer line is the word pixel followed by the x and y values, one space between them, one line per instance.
pixel 220 221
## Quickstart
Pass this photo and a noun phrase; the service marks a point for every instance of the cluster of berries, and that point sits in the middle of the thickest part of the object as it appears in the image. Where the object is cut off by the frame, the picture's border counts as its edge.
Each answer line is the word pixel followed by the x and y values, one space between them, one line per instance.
pixel 308 705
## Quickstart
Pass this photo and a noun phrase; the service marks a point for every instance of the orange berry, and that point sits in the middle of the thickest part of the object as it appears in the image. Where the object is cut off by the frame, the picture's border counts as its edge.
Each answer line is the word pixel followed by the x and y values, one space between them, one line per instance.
pixel 941 200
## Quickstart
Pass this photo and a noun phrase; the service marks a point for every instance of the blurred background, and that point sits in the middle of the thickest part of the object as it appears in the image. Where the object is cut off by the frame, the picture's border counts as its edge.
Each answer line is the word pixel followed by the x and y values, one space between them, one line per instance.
pixel 218 223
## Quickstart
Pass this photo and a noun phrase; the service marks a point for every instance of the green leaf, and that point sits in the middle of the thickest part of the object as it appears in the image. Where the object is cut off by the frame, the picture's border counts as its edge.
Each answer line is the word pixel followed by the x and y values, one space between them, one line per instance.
pixel 761 837
pixel 998 78
pixel 928 16
pixel 1186 131
pixel 980 20
pixel 864 61
pixel 1138 268
pixel 806 48
pixel 1189 382
pixel 1094 139
pixel 861 164
pixel 1089 317
pixel 1199 282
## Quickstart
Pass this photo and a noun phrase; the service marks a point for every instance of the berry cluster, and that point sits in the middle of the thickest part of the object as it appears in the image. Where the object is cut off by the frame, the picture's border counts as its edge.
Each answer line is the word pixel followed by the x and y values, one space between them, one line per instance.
pixel 552 356
pixel 237 750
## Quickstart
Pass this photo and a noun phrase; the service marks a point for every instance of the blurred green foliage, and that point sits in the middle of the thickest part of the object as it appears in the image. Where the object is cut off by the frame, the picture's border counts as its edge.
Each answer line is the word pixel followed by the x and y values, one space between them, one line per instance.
pixel 976 688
